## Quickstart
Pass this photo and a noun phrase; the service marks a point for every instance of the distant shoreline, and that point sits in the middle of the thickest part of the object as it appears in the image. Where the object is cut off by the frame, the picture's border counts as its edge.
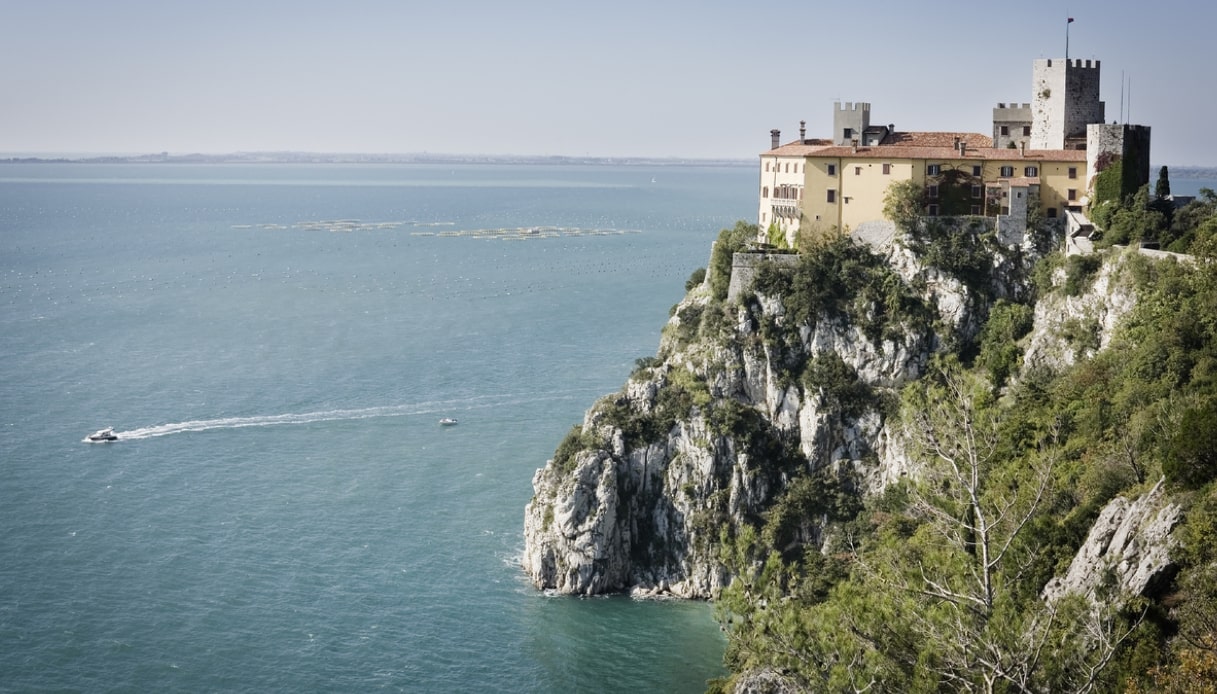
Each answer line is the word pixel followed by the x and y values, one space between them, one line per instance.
pixel 318 158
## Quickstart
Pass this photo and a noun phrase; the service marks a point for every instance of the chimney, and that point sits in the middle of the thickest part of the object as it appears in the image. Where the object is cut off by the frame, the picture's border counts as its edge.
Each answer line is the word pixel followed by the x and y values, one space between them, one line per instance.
pixel 854 143
pixel 956 142
pixel 963 148
pixel 802 130
pixel 775 138
pixel 1022 148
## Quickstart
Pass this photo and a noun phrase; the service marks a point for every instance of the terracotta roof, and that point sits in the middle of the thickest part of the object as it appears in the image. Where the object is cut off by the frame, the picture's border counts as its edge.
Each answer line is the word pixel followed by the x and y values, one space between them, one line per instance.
pixel 798 148
pixel 949 153
pixel 924 145
pixel 932 139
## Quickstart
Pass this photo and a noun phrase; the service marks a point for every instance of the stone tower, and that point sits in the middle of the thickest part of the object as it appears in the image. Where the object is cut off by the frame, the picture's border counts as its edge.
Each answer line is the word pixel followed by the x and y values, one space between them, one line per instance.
pixel 1127 145
pixel 848 122
pixel 1065 99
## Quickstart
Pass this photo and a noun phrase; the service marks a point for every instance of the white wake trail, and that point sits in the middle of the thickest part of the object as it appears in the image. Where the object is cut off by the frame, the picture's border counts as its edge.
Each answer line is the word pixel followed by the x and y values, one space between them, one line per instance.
pixel 198 425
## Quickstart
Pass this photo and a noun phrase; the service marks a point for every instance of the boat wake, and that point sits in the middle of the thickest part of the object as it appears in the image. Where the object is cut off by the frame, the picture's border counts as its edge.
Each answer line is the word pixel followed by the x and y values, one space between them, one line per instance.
pixel 198 425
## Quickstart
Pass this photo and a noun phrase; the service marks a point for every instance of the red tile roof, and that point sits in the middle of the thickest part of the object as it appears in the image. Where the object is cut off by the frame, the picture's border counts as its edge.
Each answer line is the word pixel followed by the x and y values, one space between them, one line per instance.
pixel 925 145
pixel 950 153
pixel 931 139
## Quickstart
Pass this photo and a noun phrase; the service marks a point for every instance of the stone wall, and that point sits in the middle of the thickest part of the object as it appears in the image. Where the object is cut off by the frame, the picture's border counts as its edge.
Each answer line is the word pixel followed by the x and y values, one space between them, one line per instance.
pixel 744 267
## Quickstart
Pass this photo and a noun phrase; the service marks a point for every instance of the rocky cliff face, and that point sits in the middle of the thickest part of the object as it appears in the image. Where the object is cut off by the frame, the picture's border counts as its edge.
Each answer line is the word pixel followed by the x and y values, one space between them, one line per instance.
pixel 741 403
pixel 618 511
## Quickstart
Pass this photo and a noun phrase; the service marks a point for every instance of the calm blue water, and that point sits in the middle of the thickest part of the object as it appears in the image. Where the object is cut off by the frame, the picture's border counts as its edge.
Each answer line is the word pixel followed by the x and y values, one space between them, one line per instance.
pixel 286 514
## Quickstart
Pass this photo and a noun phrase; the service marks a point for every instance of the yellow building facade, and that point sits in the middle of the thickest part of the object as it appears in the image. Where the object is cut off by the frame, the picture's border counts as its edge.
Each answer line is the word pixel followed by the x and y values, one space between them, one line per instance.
pixel 845 186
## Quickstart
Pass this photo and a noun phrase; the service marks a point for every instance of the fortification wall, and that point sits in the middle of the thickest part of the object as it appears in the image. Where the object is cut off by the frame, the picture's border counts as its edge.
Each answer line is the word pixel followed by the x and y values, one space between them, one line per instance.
pixel 745 265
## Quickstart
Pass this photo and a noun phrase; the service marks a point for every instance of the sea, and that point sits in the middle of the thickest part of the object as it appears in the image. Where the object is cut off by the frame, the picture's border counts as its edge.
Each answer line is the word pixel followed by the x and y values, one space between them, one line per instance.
pixel 275 345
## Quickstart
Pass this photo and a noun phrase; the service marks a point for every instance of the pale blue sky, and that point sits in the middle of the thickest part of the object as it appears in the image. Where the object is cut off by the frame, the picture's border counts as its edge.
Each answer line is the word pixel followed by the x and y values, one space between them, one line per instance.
pixel 543 77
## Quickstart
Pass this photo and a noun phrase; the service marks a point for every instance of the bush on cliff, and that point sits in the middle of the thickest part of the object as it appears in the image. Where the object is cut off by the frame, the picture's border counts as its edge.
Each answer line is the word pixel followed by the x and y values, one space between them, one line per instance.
pixel 729 242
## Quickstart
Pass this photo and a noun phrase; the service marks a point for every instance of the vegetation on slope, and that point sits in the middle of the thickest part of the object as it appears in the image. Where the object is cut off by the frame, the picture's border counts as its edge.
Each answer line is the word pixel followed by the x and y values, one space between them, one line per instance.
pixel 936 585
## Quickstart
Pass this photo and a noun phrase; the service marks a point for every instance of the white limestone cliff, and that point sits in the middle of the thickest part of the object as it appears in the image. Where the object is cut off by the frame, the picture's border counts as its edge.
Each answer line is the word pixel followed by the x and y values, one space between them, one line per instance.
pixel 646 518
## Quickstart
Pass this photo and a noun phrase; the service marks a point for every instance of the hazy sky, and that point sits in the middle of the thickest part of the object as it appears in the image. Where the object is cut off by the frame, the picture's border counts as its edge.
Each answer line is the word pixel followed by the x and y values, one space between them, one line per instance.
pixel 623 78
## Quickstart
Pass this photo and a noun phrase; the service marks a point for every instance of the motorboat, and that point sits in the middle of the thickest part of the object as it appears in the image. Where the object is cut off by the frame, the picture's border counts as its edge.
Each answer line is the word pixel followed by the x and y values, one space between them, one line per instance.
pixel 102 436
pixel 447 422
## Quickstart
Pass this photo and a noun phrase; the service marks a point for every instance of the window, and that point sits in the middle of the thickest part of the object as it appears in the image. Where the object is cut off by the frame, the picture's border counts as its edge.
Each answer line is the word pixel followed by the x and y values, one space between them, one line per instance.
pixel 887 169
pixel 1073 172
pixel 1005 130
pixel 765 192
pixel 787 167
pixel 932 192
pixel 1007 171
pixel 1073 194
pixel 976 209
pixel 766 166
pixel 832 169
pixel 796 168
pixel 1051 213
pixel 832 195
pixel 976 169
pixel 857 170
pixel 933 210
pixel 933 169
pixel 1026 130
pixel 976 192
pixel 849 132
pixel 1031 171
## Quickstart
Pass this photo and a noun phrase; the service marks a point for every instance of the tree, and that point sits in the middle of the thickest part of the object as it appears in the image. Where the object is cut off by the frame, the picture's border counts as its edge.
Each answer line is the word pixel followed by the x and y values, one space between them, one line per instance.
pixel 1162 189
pixel 904 203
pixel 958 583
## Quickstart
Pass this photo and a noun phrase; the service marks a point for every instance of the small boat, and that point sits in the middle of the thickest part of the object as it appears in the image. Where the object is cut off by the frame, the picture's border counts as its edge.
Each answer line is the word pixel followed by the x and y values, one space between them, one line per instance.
pixel 102 436
pixel 447 422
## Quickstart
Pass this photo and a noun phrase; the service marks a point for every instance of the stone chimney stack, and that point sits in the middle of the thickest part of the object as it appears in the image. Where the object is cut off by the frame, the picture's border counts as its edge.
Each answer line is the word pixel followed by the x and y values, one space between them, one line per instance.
pixel 1022 148
pixel 775 138
pixel 802 130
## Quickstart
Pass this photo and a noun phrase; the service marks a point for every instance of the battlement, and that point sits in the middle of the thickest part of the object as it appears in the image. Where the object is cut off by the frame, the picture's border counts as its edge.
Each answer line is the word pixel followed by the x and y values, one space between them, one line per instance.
pixel 1013 105
pixel 850 106
pixel 1068 63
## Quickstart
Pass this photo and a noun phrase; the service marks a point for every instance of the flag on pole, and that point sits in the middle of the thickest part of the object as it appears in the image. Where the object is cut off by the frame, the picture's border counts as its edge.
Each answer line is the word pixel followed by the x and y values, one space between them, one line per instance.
pixel 1069 21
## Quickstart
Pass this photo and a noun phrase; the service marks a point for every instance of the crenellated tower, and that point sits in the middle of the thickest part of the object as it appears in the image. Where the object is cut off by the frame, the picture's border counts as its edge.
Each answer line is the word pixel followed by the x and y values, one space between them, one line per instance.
pixel 1065 99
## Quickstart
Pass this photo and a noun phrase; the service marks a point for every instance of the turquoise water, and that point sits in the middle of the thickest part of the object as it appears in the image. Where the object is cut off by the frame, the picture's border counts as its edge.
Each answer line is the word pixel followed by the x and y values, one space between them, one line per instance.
pixel 285 513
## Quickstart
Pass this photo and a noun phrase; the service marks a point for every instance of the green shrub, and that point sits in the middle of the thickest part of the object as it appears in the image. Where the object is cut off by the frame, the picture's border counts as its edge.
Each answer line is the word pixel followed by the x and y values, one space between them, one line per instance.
pixel 1080 271
pixel 999 350
pixel 729 242
pixel 696 279
pixel 1191 455
pixel 575 440
pixel 838 385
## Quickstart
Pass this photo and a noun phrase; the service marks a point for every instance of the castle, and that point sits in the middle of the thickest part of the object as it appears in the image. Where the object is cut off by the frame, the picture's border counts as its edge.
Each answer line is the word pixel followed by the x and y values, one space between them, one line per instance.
pixel 1041 159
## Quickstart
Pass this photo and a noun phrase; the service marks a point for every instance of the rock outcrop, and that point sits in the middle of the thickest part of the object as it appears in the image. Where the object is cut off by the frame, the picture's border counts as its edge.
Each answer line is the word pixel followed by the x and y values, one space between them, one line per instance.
pixel 1127 551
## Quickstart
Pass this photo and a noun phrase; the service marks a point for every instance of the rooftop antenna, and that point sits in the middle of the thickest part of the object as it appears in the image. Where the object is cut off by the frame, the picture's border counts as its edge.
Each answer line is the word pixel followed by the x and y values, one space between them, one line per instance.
pixel 1068 21
pixel 1121 96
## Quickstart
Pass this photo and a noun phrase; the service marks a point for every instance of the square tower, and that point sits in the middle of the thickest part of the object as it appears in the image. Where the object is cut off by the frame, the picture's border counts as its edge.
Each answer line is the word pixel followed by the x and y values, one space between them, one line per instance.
pixel 1065 99
pixel 848 122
